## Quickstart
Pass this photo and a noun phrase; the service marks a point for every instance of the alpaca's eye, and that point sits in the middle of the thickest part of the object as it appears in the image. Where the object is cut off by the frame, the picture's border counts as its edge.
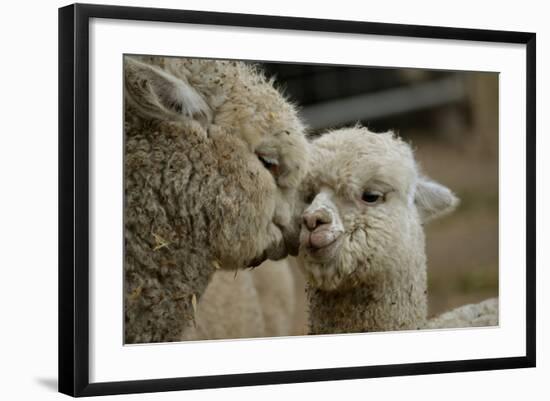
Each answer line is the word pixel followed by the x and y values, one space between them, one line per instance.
pixel 271 164
pixel 372 197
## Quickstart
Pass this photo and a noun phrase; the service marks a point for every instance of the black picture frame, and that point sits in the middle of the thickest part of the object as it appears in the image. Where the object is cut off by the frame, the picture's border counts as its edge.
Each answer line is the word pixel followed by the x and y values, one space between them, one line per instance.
pixel 74 198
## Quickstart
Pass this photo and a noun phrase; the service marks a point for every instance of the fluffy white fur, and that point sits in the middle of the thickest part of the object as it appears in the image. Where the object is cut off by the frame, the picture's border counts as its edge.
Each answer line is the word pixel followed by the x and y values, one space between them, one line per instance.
pixel 482 314
pixel 362 240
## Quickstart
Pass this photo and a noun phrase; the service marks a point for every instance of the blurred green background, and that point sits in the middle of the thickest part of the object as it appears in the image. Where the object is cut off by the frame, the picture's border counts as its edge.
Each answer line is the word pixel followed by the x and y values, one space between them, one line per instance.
pixel 451 118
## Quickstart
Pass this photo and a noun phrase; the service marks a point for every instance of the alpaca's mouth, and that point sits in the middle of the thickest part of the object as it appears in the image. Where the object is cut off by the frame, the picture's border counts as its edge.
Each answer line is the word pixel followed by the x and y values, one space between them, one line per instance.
pixel 258 260
pixel 320 245
pixel 276 250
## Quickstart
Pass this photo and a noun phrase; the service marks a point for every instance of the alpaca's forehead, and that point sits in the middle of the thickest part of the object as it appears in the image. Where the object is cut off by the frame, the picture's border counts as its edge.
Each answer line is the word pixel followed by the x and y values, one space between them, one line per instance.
pixel 357 158
pixel 360 141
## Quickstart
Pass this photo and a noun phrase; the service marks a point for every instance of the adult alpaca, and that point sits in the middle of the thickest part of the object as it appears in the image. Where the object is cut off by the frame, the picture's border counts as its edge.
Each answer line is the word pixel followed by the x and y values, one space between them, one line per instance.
pixel 362 240
pixel 213 157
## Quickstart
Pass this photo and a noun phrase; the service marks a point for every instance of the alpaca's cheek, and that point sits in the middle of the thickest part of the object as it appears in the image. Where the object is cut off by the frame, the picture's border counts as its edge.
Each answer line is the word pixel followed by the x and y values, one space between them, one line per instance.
pixel 357 247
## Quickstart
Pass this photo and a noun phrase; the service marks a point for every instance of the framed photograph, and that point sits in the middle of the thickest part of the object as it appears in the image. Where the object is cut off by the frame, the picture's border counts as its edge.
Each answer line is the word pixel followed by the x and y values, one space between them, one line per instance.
pixel 251 199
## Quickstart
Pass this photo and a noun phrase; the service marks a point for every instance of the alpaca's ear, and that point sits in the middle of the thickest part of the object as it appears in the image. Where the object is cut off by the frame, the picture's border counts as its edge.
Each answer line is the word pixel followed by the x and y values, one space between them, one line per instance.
pixel 161 95
pixel 433 200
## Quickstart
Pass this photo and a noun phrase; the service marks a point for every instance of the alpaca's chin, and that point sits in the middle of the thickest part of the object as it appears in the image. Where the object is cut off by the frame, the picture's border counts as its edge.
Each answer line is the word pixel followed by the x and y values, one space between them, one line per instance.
pixel 256 261
pixel 323 254
pixel 275 252
pixel 277 249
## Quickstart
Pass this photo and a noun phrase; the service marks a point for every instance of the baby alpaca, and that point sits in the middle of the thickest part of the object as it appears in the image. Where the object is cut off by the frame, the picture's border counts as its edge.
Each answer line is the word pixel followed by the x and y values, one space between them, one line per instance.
pixel 213 157
pixel 362 241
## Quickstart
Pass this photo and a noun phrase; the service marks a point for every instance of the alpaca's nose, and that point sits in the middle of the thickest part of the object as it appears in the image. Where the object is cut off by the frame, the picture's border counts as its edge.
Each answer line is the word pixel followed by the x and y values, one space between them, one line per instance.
pixel 317 218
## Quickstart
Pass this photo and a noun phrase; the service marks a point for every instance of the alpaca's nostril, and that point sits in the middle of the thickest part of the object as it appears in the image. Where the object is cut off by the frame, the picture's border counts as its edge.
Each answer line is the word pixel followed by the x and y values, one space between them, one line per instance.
pixel 315 219
pixel 308 221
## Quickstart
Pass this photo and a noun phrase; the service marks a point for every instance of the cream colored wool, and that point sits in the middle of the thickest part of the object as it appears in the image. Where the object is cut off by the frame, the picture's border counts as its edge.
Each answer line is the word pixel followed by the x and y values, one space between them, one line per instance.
pixel 482 314
pixel 373 277
pixel 251 303
pixel 197 197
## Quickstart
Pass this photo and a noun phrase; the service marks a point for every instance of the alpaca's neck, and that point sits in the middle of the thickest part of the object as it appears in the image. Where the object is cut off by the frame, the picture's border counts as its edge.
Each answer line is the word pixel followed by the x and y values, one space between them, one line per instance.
pixel 393 299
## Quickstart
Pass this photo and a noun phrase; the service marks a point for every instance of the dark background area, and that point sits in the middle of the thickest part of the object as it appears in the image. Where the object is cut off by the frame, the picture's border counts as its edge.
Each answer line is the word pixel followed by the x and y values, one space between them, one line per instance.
pixel 451 119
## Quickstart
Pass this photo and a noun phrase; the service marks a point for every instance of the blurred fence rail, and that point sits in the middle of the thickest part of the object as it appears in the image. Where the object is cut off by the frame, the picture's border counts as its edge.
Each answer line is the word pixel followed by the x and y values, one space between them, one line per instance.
pixel 385 103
